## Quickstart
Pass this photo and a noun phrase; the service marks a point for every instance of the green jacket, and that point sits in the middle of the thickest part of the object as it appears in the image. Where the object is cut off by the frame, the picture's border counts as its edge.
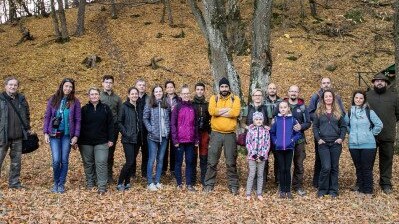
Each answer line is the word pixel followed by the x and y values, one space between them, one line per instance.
pixel 114 102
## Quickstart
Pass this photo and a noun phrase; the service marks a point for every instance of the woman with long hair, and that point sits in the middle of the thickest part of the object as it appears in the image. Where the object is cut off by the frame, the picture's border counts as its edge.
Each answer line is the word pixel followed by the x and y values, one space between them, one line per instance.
pixel 329 129
pixel 61 129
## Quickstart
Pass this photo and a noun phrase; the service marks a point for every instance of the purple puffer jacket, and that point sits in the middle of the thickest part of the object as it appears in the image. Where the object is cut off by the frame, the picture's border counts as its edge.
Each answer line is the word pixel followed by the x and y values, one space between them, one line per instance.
pixel 74 118
pixel 184 124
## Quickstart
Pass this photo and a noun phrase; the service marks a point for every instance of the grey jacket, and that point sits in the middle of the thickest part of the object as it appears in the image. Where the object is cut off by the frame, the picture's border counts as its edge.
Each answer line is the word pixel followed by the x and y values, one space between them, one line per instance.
pixel 152 121
pixel 23 109
pixel 329 128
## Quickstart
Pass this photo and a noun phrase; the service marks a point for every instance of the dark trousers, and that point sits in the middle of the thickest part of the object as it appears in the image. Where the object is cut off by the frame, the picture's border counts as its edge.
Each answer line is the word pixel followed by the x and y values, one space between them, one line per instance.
pixel 299 157
pixel 364 162
pixel 127 169
pixel 142 143
pixel 111 153
pixel 284 168
pixel 329 157
pixel 186 150
pixel 170 155
pixel 385 153
pixel 317 165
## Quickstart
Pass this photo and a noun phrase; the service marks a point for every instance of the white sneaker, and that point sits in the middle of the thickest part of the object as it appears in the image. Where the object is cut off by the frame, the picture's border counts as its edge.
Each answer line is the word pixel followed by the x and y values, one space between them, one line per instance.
pixel 158 186
pixel 152 187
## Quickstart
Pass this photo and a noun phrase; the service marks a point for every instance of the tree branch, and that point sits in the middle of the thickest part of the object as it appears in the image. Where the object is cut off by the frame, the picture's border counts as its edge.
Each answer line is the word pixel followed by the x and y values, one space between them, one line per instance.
pixel 199 18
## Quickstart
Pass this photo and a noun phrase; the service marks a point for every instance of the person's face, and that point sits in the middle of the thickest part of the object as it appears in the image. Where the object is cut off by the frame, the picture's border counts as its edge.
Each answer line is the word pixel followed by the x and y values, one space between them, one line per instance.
pixel 293 92
pixel 224 89
pixel 67 88
pixel 199 91
pixel 257 97
pixel 107 84
pixel 326 83
pixel 283 108
pixel 380 83
pixel 258 122
pixel 185 94
pixel 94 96
pixel 141 87
pixel 272 90
pixel 11 87
pixel 328 98
pixel 170 89
pixel 358 99
pixel 158 93
pixel 133 95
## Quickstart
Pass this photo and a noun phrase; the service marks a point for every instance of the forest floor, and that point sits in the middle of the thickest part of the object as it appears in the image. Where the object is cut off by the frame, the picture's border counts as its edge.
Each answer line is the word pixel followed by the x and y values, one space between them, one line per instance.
pixel 350 36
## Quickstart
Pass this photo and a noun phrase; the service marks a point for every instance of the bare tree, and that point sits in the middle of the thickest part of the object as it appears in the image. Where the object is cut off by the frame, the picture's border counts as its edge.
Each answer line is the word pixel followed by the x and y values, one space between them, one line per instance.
pixel 80 23
pixel 167 9
pixel 114 14
pixel 313 7
pixel 22 3
pixel 59 20
pixel 66 3
pixel 235 29
pixel 12 11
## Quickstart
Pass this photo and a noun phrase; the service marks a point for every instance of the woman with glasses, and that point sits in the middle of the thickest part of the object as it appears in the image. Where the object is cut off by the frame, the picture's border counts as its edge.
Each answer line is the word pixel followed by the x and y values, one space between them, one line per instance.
pixel 61 129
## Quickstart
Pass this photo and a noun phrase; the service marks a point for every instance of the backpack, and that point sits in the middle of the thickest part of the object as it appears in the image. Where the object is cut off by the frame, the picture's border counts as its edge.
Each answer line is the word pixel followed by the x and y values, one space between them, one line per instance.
pixel 367 114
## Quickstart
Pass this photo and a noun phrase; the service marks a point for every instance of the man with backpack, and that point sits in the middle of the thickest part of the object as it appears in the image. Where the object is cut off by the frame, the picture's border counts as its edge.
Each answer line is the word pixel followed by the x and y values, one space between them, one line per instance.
pixel 385 103
pixel 224 109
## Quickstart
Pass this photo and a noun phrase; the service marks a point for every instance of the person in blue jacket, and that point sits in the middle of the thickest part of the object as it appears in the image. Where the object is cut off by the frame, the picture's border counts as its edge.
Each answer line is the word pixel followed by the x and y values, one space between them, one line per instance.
pixel 363 125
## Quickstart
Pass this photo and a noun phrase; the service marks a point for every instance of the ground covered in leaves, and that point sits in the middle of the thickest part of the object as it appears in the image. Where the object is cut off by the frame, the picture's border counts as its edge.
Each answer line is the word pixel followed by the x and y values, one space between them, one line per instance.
pixel 338 44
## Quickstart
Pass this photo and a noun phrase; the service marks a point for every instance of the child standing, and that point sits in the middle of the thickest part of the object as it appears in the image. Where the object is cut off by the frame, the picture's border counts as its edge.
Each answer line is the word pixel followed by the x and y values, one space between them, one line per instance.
pixel 258 145
pixel 284 137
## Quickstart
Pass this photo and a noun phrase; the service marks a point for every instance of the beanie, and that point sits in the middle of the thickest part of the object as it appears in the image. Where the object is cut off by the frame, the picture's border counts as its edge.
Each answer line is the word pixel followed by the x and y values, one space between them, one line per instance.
pixel 257 115
pixel 224 81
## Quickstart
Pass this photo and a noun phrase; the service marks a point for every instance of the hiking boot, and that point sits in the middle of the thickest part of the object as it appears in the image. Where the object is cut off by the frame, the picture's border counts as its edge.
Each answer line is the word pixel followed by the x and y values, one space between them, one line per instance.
pixel 179 187
pixel 61 189
pixel 208 189
pixel 55 188
pixel 120 187
pixel 18 187
pixel 301 192
pixel 127 187
pixel 387 189
pixel 234 191
pixel 289 195
pixel 281 194
pixel 152 187
pixel 102 191
pixel 354 188
pixel 191 188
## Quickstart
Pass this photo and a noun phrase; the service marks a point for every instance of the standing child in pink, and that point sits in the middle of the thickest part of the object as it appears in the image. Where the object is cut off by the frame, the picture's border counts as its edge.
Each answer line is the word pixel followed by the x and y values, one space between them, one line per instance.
pixel 258 145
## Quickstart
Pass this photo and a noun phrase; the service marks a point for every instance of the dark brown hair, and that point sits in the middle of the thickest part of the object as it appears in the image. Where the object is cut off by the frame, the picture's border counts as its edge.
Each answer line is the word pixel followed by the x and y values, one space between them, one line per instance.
pixel 57 97
pixel 153 102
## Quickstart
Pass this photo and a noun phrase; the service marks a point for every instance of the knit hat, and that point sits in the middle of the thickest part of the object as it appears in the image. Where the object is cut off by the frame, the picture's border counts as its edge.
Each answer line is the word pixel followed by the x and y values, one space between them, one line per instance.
pixel 224 81
pixel 381 76
pixel 257 115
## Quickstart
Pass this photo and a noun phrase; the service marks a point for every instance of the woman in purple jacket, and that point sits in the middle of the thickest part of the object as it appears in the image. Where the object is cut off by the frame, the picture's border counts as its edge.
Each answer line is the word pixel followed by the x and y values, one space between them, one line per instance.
pixel 61 129
pixel 185 137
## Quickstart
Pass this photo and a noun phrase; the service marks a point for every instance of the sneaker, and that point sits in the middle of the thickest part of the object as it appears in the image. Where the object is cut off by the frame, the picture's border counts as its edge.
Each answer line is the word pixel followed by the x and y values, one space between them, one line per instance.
pixel 387 189
pixel 281 194
pixel 248 197
pixel 179 187
pixel 191 188
pixel 127 187
pixel 234 191
pixel 159 186
pixel 61 189
pixel 120 187
pixel 260 197
pixel 334 196
pixel 289 195
pixel 55 188
pixel 320 195
pixel 102 191
pixel 18 187
pixel 301 192
pixel 152 187
pixel 208 189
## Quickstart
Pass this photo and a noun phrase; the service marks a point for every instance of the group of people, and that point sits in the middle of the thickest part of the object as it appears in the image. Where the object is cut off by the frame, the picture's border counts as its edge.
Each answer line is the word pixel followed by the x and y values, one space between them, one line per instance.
pixel 167 127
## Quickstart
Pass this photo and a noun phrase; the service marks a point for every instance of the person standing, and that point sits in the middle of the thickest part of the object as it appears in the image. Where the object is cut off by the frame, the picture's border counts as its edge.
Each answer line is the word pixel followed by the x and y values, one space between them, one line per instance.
pixel 224 109
pixel 110 98
pixel 13 129
pixel 143 133
pixel 329 129
pixel 313 104
pixel 385 103
pixel 363 125
pixel 62 129
pixel 128 126
pixel 96 137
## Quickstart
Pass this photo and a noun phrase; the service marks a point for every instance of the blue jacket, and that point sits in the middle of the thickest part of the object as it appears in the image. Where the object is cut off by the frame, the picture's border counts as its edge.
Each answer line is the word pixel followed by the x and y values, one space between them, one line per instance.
pixel 283 135
pixel 360 135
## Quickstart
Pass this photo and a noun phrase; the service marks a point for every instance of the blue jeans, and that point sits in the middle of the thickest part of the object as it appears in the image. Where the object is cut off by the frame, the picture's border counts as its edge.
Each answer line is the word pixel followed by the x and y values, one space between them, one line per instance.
pixel 188 150
pixel 156 151
pixel 60 149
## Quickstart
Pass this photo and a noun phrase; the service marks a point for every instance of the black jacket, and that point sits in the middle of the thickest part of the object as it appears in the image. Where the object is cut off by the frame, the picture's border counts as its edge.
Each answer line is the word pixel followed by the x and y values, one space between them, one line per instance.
pixel 201 107
pixel 329 128
pixel 251 110
pixel 97 125
pixel 128 123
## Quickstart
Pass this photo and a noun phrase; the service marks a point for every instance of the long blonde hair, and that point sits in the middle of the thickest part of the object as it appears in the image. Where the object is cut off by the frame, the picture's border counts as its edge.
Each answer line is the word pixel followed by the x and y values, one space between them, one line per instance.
pixel 322 108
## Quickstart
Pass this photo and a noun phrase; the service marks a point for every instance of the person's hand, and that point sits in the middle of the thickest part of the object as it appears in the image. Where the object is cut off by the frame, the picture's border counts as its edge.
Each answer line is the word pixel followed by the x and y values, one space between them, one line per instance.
pixel 267 128
pixel 321 141
pixel 223 111
pixel 110 144
pixel 338 141
pixel 196 145
pixel 46 138
pixel 176 145
pixel 297 127
pixel 74 140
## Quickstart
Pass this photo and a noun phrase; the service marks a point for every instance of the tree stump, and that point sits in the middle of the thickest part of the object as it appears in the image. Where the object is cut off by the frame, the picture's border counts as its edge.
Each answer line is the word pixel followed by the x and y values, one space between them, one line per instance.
pixel 91 61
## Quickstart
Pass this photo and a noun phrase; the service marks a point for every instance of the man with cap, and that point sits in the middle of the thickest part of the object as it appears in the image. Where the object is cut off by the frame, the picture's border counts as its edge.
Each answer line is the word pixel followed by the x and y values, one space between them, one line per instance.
pixel 385 104
pixel 224 109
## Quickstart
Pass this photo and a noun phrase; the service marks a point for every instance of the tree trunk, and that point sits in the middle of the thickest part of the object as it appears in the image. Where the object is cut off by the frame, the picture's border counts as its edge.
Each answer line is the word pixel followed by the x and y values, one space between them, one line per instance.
pixel 12 11
pixel 22 3
pixel 235 29
pixel 312 4
pixel 396 42
pixel 80 23
pixel 42 8
pixel 75 3
pixel 62 18
pixel 261 61
pixel 66 2
pixel 167 9
pixel 57 31
pixel 114 14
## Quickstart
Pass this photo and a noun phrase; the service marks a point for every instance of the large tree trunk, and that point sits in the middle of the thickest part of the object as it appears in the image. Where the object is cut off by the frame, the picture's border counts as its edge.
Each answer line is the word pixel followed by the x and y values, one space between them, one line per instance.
pixel 57 31
pixel 22 3
pixel 42 8
pixel 66 4
pixel 114 14
pixel 313 7
pixel 62 18
pixel 12 11
pixel 235 29
pixel 80 23
pixel 261 61
pixel 396 42
pixel 167 9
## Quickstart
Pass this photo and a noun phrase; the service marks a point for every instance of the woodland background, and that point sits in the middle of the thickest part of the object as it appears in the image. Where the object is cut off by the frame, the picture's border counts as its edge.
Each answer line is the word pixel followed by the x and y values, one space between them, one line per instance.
pixel 346 36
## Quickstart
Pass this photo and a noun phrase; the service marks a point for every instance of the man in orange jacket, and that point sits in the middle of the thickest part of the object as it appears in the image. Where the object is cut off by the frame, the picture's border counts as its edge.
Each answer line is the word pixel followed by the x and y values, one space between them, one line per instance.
pixel 224 109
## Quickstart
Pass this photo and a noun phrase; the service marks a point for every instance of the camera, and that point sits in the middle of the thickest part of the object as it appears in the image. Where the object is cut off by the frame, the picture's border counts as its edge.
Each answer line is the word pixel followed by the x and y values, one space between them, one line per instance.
pixel 55 122
pixel 56 134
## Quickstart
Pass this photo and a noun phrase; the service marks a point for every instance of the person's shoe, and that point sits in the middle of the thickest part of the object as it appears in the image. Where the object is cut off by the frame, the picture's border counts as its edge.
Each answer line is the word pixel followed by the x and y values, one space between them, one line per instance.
pixel 152 187
pixel 248 197
pixel 319 195
pixel 127 187
pixel 208 189
pixel 260 197
pixel 18 187
pixel 102 191
pixel 179 187
pixel 55 188
pixel 191 188
pixel 61 189
pixel 387 189
pixel 158 186
pixel 301 192
pixel 354 188
pixel 234 191
pixel 89 187
pixel 120 187
pixel 281 194
pixel 289 195
pixel 334 196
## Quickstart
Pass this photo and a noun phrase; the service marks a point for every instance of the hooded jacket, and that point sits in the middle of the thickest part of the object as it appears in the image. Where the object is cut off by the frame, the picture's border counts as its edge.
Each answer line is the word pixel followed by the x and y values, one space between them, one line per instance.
pixel 152 120
pixel 128 122
pixel 283 134
pixel 224 124
pixel 184 126
pixel 257 142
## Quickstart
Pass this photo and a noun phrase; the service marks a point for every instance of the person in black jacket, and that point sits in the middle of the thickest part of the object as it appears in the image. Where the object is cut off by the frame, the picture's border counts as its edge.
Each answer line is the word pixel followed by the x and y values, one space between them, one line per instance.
pixel 97 133
pixel 128 126
pixel 143 132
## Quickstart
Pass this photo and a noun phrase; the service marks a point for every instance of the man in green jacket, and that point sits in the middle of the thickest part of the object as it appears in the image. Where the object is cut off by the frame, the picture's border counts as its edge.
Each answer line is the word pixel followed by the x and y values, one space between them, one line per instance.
pixel 385 103
pixel 114 102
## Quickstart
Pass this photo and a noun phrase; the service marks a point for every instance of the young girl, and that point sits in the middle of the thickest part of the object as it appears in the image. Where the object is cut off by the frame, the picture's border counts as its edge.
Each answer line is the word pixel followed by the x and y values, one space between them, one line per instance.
pixel 258 145
pixel 284 138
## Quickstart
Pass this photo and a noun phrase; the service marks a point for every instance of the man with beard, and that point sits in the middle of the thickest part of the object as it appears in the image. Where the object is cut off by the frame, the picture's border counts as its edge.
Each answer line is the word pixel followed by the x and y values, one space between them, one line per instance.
pixel 314 101
pixel 386 105
pixel 142 138
pixel 224 109
pixel 301 114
